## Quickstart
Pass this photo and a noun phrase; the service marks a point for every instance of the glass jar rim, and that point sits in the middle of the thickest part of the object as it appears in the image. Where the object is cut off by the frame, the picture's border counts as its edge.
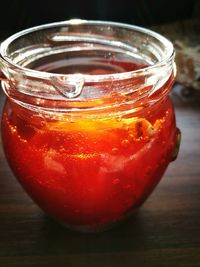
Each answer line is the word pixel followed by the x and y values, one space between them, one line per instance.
pixel 169 55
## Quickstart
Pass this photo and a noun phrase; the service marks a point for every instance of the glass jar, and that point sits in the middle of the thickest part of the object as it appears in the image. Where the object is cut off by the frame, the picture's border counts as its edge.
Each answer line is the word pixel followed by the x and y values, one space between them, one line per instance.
pixel 88 127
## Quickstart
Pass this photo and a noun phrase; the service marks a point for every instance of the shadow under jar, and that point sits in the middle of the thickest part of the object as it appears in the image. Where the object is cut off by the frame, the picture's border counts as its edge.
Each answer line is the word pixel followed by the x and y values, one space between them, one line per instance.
pixel 88 127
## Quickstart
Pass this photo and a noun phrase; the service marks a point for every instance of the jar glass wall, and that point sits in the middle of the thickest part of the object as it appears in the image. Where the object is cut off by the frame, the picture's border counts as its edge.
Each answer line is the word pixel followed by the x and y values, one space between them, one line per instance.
pixel 88 127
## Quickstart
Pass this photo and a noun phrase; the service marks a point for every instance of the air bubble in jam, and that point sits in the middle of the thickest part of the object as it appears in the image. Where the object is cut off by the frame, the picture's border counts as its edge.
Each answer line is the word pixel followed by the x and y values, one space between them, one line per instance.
pixel 115 150
pixel 131 137
pixel 125 143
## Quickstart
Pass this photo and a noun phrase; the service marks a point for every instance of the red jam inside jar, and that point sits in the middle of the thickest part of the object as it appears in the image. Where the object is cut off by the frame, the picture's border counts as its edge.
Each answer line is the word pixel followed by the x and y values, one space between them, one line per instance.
pixel 89 158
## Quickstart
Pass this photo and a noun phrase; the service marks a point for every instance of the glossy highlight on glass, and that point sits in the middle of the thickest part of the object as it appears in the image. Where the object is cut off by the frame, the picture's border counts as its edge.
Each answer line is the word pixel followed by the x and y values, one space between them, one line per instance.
pixel 88 127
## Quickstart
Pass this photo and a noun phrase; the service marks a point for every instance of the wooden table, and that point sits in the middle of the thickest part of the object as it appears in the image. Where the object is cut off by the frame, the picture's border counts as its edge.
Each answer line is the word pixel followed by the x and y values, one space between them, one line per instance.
pixel 164 232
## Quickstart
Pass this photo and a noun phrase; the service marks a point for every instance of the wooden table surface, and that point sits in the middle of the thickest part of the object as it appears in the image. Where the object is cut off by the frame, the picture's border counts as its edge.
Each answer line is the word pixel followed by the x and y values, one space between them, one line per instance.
pixel 164 232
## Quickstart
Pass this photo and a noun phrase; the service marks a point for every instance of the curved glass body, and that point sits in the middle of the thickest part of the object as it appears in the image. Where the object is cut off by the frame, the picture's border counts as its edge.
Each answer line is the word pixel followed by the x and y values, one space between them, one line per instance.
pixel 88 127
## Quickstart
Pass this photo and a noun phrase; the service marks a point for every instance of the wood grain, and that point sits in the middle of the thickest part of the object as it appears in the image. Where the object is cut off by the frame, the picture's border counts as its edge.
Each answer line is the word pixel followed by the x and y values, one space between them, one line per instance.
pixel 164 232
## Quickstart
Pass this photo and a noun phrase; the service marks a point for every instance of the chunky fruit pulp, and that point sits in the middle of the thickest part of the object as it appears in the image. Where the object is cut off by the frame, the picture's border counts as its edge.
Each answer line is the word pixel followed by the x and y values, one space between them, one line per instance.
pixel 88 171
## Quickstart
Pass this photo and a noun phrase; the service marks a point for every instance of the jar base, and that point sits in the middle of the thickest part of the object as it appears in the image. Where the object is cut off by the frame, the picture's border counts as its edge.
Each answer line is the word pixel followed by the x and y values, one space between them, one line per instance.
pixel 97 228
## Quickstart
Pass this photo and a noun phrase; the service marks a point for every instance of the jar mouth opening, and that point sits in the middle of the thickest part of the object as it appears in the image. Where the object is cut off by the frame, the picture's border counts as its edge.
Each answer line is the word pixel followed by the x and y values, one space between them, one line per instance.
pixel 166 57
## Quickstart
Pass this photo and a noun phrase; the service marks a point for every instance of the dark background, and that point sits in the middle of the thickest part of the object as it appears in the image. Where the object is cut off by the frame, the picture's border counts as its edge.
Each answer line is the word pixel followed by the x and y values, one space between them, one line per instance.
pixel 20 14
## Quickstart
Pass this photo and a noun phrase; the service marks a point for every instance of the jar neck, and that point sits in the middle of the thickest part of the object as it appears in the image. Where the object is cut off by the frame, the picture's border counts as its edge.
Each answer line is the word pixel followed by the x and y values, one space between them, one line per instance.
pixel 133 97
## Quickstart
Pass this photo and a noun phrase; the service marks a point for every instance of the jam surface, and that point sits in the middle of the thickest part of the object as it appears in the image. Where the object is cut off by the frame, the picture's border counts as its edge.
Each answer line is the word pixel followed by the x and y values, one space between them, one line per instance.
pixel 89 171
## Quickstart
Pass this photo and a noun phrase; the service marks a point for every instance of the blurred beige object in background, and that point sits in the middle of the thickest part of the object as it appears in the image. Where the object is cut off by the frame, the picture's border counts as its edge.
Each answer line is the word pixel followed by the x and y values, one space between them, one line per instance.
pixel 186 38
pixel 188 65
